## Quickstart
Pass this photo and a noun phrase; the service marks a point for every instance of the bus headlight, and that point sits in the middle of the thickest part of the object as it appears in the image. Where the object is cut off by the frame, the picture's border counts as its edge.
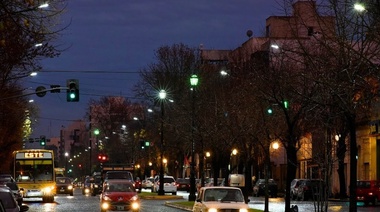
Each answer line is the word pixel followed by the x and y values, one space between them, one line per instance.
pixel 48 190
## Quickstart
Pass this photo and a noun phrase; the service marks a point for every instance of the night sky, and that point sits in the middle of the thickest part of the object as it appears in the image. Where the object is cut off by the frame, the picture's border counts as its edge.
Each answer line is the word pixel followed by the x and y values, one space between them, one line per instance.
pixel 117 38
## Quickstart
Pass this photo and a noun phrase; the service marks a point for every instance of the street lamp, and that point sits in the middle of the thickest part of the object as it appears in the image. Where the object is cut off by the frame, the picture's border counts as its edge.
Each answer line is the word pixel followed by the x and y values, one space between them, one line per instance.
pixel 162 96
pixel 193 83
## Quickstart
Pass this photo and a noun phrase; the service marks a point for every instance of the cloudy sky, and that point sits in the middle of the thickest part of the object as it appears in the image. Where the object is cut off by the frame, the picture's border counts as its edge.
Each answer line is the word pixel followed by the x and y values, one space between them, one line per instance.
pixel 116 38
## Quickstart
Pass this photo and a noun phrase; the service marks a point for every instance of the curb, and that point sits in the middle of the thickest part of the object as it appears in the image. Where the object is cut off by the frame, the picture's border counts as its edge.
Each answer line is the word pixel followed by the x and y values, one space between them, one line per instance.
pixel 169 204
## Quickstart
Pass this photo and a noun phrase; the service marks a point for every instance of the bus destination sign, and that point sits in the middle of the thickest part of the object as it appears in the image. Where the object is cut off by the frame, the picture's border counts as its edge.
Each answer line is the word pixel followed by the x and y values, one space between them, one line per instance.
pixel 34 155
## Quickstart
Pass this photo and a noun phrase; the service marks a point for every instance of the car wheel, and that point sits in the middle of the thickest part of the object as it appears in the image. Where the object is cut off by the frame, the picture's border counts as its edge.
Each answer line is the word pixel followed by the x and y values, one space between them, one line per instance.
pixel 71 194
pixel 174 193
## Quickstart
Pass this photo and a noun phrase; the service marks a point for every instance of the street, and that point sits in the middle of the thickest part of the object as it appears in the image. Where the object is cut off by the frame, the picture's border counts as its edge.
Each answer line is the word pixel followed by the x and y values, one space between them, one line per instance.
pixel 82 203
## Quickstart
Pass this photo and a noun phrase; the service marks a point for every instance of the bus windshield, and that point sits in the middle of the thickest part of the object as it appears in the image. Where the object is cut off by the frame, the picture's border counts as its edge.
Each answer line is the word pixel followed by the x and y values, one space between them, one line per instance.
pixel 34 170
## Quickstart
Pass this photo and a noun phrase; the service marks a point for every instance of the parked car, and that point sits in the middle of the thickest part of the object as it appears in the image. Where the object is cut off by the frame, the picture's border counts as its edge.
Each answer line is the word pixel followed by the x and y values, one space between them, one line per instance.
pixel 16 191
pixel 96 184
pixel 147 183
pixel 220 198
pixel 294 186
pixel 170 185
pixel 259 188
pixel 64 186
pixel 368 191
pixel 119 195
pixel 9 202
pixel 183 184
pixel 311 189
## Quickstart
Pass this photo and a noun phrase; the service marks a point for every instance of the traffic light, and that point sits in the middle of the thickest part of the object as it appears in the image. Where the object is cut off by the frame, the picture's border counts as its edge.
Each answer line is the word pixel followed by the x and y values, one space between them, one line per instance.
pixel 42 140
pixel 102 158
pixel 72 94
pixel 142 144
pixel 270 111
pixel 286 104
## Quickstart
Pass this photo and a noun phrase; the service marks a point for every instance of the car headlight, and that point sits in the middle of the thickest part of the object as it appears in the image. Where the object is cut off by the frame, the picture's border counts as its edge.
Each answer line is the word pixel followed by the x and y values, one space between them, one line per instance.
pixel 70 187
pixel 212 210
pixel 86 190
pixel 243 210
pixel 105 205
pixel 96 186
pixel 135 205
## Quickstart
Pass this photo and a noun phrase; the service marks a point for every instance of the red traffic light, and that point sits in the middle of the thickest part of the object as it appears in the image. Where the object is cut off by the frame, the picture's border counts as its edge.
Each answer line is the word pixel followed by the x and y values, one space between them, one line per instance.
pixel 102 157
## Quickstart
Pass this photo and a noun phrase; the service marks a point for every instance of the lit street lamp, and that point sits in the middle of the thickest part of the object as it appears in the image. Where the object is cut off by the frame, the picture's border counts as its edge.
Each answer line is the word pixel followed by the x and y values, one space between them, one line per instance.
pixel 193 83
pixel 162 96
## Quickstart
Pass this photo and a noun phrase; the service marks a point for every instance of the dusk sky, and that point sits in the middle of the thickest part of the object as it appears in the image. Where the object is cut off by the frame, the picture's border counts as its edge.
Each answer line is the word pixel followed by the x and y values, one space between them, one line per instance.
pixel 110 36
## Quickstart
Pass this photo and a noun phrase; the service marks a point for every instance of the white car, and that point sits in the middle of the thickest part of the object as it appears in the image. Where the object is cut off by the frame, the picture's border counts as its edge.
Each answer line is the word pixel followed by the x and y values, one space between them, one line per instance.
pixel 147 183
pixel 170 185
pixel 217 198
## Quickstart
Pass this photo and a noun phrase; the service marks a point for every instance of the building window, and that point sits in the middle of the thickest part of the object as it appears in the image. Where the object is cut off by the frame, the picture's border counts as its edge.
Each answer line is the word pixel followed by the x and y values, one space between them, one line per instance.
pixel 310 31
pixel 267 31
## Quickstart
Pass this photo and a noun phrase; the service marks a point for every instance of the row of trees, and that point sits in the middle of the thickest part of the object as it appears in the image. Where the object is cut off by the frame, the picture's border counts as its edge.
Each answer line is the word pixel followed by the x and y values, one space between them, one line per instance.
pixel 27 31
pixel 329 80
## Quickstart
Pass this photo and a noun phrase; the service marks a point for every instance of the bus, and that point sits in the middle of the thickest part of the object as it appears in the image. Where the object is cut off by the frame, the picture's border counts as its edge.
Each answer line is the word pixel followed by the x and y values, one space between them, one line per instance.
pixel 33 170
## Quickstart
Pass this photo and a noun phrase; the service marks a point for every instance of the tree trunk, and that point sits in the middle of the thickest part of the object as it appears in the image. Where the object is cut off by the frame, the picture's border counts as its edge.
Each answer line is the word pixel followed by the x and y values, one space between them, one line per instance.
pixel 291 152
pixel 353 161
pixel 341 152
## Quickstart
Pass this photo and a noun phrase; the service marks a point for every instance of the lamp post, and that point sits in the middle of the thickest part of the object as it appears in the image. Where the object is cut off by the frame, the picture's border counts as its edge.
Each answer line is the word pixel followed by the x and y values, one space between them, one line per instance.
pixel 66 155
pixel 162 96
pixel 96 133
pixel 193 83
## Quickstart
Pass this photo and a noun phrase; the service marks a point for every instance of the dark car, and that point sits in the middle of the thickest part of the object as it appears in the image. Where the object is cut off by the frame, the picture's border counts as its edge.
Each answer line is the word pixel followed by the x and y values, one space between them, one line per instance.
pixel 183 184
pixel 311 189
pixel 119 195
pixel 64 186
pixel 259 188
pixel 368 191
pixel 96 185
pixel 9 201
pixel 16 191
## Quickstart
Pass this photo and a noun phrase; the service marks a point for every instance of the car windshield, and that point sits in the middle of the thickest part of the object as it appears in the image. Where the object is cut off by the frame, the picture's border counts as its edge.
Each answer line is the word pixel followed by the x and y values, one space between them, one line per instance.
pixel 168 180
pixel 120 187
pixel 12 186
pixel 184 181
pixel 363 184
pixel 63 180
pixel 222 194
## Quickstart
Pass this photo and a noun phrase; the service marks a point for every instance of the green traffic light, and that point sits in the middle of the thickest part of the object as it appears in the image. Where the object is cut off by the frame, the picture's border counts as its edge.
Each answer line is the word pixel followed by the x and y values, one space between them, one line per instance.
pixel 72 96
pixel 270 111
pixel 286 104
